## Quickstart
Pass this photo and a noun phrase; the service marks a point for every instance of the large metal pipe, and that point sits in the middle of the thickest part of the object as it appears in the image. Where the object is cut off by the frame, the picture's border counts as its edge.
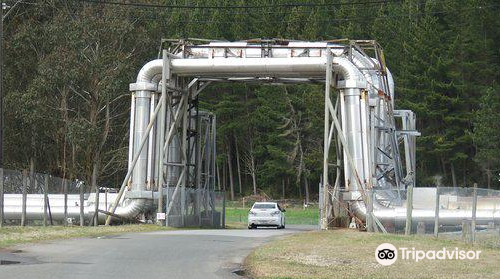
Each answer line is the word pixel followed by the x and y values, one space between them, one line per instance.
pixel 34 206
pixel 284 63
pixel 142 109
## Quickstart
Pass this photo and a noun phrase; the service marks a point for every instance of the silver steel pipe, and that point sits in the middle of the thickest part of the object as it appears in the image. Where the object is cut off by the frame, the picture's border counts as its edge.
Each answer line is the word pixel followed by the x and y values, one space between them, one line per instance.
pixel 305 67
pixel 246 62
pixel 142 109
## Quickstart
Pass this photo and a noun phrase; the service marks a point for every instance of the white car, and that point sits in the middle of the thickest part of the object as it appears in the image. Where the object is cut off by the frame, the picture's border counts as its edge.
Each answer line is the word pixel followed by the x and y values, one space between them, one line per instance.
pixel 266 214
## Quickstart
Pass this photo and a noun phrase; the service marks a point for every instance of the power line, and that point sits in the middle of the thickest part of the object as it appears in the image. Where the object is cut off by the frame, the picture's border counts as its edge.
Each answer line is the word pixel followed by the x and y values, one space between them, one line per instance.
pixel 329 20
pixel 227 7
pixel 280 12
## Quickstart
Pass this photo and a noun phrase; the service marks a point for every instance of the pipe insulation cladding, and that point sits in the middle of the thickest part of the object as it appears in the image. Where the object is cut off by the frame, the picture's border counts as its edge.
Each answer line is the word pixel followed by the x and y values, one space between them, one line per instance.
pixel 365 110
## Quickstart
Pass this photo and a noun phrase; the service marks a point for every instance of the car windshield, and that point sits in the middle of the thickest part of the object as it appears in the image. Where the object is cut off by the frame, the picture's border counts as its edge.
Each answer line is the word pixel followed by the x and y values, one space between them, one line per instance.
pixel 264 206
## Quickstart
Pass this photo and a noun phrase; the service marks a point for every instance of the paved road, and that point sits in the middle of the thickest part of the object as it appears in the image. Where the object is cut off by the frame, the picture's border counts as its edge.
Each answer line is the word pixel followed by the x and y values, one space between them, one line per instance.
pixel 162 254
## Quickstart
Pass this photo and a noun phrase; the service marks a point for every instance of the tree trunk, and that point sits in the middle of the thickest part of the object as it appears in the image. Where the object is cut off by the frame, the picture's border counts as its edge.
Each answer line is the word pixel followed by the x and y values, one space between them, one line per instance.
pixel 464 172
pixel 453 176
pixel 306 187
pixel 72 173
pixel 238 165
pixel 251 167
pixel 218 176
pixel 488 178
pixel 224 175
pixel 488 175
pixel 254 183
pixel 32 174
pixel 230 169
pixel 64 109
pixel 95 167
pixel 254 172
pixel 443 165
pixel 282 188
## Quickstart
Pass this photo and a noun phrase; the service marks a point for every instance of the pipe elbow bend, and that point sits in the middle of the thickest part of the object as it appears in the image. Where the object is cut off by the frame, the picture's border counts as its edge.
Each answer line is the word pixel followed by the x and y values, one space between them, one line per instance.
pixel 353 77
pixel 149 71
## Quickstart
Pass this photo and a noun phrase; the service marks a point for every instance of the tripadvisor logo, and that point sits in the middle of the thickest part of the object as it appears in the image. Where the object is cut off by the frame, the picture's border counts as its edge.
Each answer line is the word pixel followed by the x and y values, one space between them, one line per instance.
pixel 387 254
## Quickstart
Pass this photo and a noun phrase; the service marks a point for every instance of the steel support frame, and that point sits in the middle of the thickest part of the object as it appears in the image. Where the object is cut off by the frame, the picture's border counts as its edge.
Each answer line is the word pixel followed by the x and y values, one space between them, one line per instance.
pixel 173 113
pixel 408 134
pixel 324 210
pixel 379 126
pixel 181 98
pixel 186 125
pixel 330 128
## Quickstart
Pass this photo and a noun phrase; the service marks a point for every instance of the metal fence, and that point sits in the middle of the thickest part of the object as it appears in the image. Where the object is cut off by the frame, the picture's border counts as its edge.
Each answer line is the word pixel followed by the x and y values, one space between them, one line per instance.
pixel 190 207
pixel 445 212
pixel 471 214
pixel 22 185
pixel 36 183
pixel 482 207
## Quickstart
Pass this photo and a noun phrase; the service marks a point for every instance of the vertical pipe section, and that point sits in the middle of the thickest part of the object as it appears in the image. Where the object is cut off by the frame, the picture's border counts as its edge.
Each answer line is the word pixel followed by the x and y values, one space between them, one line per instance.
pixel 129 172
pixel 142 118
pixel 365 139
pixel 353 132
pixel 326 143
pixel 150 160
pixel 131 132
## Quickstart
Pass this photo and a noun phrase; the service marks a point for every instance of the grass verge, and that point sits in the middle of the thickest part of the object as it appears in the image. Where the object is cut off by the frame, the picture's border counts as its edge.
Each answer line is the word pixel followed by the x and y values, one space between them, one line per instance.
pixel 17 235
pixel 351 254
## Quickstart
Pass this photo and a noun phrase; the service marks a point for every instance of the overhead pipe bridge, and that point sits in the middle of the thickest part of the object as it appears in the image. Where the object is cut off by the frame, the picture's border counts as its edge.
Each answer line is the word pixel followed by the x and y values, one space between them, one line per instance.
pixel 360 123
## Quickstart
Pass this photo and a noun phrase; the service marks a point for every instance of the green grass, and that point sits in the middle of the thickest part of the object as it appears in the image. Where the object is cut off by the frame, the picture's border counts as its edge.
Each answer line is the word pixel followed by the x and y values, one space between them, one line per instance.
pixel 17 235
pixel 347 253
pixel 294 215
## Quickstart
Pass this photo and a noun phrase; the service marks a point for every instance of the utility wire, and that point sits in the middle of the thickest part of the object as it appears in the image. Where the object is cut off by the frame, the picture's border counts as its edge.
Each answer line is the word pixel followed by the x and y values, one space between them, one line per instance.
pixel 227 7
pixel 314 8
pixel 162 19
pixel 330 20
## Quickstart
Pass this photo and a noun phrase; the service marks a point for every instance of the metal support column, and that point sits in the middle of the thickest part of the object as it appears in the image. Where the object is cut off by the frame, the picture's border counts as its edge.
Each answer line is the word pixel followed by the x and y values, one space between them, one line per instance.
pixel 185 159
pixel 161 132
pixel 326 143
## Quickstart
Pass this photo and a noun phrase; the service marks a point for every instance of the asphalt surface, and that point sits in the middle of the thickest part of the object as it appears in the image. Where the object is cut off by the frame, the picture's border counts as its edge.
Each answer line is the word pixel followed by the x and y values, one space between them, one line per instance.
pixel 162 254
